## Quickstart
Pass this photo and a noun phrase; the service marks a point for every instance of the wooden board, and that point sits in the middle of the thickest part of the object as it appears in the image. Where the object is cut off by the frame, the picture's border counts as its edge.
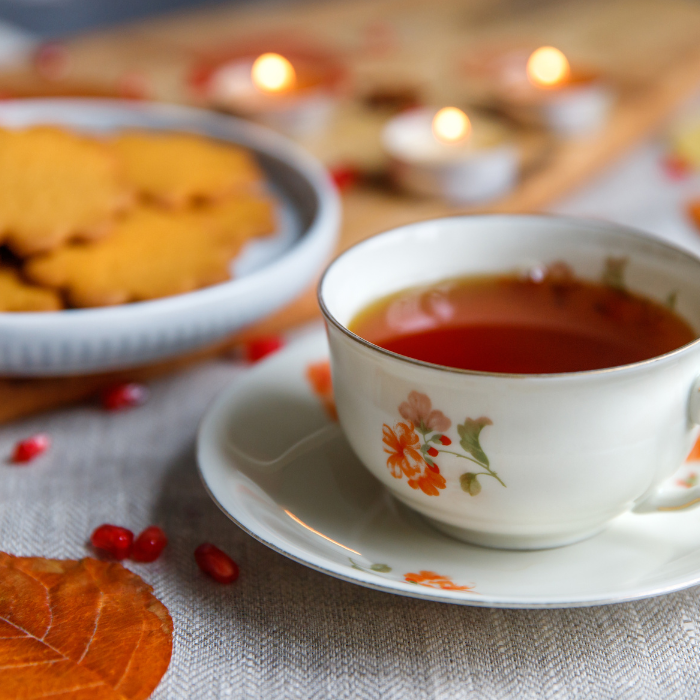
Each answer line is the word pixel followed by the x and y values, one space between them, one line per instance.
pixel 647 49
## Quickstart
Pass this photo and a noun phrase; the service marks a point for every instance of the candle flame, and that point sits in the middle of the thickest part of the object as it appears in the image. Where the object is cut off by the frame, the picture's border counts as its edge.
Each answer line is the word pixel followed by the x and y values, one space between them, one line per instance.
pixel 451 125
pixel 547 67
pixel 273 73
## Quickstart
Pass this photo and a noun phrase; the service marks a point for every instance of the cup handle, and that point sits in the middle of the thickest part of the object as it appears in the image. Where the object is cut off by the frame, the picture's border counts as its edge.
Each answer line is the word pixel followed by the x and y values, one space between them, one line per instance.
pixel 657 502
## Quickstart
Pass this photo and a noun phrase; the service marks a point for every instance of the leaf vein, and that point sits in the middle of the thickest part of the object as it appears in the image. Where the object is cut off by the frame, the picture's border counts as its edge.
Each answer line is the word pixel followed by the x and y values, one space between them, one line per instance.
pixel 94 629
pixel 31 663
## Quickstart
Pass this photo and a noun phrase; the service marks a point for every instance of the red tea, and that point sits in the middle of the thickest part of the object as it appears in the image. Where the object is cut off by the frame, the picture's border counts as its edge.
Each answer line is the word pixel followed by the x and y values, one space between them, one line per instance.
pixel 511 324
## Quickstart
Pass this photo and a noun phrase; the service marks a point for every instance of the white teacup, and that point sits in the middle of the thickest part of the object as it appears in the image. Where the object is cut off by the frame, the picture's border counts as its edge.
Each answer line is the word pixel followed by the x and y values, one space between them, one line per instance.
pixel 525 461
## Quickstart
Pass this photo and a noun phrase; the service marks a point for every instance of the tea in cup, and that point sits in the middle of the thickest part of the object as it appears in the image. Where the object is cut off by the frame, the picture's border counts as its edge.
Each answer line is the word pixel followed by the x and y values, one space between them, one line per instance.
pixel 518 380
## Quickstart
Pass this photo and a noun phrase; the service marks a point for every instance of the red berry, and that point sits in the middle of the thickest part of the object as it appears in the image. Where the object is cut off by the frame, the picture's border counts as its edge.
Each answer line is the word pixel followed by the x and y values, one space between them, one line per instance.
pixel 149 545
pixel 122 396
pixel 51 61
pixel 114 540
pixel 215 563
pixel 433 468
pixel 445 440
pixel 433 452
pixel 345 177
pixel 261 347
pixel 27 450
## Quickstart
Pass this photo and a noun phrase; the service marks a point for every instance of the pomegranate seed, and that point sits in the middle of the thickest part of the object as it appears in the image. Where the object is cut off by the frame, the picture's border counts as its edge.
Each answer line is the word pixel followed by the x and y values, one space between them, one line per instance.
pixel 123 396
pixel 114 540
pixel 445 440
pixel 433 452
pixel 51 61
pixel 261 347
pixel 215 563
pixel 345 177
pixel 149 545
pixel 32 447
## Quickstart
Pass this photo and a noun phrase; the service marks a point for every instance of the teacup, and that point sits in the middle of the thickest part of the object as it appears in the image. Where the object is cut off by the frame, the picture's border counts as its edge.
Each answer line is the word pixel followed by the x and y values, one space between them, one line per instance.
pixel 525 461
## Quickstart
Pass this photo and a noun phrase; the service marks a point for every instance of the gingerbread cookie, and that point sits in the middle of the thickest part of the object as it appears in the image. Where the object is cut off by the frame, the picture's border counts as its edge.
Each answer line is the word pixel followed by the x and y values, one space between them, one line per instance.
pixel 17 295
pixel 154 253
pixel 176 169
pixel 232 222
pixel 54 186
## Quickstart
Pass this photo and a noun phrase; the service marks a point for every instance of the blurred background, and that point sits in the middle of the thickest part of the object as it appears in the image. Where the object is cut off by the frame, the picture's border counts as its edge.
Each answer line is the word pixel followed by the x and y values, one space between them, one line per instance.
pixel 616 135
pixel 55 18
pixel 581 107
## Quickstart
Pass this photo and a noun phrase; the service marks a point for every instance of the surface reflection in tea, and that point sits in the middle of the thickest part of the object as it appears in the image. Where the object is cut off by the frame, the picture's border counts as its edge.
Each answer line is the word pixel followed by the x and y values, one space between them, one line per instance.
pixel 543 322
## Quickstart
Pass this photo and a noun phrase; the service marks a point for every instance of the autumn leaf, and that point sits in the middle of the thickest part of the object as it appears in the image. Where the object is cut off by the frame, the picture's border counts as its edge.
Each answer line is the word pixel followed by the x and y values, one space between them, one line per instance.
pixel 469 433
pixel 319 376
pixel 84 630
pixel 694 455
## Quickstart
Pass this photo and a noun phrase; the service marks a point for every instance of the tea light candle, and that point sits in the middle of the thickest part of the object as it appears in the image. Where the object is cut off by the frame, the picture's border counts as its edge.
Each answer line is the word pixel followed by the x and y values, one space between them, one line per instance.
pixel 267 89
pixel 569 103
pixel 443 153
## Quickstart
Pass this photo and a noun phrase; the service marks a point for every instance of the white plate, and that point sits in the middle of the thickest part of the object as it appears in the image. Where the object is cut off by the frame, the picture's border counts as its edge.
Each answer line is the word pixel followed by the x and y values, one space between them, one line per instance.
pixel 325 510
pixel 268 274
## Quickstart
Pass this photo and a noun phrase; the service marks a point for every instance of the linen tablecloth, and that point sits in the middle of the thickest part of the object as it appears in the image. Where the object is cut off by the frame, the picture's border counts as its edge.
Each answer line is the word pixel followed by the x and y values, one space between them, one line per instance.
pixel 285 631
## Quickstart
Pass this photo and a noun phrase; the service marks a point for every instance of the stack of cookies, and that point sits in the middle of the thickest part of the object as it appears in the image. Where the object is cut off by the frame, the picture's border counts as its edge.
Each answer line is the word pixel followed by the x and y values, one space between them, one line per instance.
pixel 94 222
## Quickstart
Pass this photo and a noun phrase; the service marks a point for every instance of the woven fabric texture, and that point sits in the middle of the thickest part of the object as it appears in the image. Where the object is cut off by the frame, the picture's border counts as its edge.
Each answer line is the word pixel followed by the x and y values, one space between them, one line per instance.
pixel 285 631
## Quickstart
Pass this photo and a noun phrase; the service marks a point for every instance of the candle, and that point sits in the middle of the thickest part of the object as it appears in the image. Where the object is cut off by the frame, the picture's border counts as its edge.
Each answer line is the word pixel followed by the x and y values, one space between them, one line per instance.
pixel 273 74
pixel 571 103
pixel 547 67
pixel 444 153
pixel 267 88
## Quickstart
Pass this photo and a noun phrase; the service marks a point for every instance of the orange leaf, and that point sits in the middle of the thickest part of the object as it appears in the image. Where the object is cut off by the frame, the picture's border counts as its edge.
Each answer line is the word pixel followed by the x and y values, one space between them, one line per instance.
pixel 84 630
pixel 693 209
pixel 694 455
pixel 319 376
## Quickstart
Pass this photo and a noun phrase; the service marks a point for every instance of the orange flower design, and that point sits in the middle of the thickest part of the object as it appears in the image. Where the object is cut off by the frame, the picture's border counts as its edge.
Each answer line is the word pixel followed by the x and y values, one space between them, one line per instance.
pixel 401 444
pixel 429 481
pixel 430 579
pixel 319 377
pixel 413 447
pixel 419 410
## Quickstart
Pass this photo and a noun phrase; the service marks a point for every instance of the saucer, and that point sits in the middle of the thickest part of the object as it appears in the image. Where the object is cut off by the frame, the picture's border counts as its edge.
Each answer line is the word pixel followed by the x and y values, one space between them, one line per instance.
pixel 275 461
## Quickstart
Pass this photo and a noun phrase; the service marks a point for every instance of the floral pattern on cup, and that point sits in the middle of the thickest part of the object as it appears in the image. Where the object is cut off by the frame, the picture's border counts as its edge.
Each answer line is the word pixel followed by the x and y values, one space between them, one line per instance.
pixel 413 445
pixel 430 579
pixel 318 374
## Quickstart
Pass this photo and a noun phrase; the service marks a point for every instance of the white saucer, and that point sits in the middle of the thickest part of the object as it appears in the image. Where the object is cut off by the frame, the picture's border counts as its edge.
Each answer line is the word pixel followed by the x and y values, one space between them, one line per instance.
pixel 323 509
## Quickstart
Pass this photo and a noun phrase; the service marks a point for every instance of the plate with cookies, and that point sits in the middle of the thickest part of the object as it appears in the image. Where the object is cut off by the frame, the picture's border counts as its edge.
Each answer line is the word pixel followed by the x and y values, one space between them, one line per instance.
pixel 134 232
